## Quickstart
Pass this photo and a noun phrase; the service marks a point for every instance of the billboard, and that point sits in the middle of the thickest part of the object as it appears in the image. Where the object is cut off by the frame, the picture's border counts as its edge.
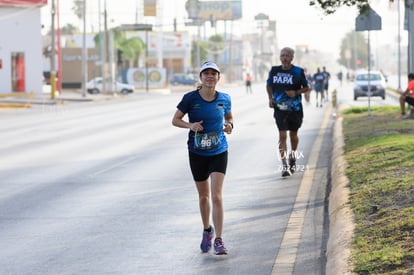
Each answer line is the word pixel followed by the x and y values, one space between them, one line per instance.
pixel 150 7
pixel 219 10
pixel 23 3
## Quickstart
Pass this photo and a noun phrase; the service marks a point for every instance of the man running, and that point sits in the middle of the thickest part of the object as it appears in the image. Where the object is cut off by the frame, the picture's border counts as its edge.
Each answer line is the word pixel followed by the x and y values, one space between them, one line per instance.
pixel 285 85
pixel 318 85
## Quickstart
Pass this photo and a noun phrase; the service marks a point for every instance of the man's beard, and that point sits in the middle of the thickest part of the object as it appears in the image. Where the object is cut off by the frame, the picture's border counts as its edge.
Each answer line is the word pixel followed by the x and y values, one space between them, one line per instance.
pixel 286 65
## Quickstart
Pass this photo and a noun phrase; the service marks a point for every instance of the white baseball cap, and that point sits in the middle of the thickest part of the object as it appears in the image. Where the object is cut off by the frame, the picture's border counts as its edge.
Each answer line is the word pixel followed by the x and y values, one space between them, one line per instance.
pixel 209 65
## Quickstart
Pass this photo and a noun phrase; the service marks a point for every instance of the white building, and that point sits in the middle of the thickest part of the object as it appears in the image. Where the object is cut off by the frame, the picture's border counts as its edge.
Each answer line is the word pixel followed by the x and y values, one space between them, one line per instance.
pixel 21 63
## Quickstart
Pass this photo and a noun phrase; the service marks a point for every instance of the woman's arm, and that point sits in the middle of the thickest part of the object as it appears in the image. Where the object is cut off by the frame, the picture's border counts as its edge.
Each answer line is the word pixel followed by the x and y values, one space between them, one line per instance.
pixel 228 123
pixel 180 123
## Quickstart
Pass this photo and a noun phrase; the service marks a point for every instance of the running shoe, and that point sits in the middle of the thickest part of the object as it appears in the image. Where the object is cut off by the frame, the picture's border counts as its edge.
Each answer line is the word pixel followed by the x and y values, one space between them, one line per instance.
pixel 292 165
pixel 206 242
pixel 408 117
pixel 286 171
pixel 219 247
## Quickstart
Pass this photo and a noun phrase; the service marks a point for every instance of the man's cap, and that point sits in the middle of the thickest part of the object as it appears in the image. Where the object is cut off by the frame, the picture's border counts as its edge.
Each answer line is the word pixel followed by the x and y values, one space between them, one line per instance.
pixel 209 65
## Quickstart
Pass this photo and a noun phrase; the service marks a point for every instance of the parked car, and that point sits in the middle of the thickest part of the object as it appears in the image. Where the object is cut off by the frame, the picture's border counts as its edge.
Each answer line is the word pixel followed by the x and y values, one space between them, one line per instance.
pixel 95 86
pixel 183 79
pixel 377 84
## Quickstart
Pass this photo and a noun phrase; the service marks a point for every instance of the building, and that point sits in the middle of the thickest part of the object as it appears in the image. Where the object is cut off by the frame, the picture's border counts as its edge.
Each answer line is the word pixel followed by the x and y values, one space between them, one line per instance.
pixel 21 46
pixel 168 53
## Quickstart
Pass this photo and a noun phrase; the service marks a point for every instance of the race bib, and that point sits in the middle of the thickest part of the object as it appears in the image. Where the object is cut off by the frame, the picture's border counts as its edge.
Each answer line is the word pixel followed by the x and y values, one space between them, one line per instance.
pixel 283 106
pixel 206 141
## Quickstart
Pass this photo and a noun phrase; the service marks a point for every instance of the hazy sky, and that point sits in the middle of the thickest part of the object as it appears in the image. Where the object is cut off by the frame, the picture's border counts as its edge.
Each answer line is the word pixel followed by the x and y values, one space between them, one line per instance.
pixel 297 22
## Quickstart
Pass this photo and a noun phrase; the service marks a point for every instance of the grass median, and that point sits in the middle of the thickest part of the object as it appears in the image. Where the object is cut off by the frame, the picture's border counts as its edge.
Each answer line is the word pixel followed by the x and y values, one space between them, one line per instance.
pixel 379 150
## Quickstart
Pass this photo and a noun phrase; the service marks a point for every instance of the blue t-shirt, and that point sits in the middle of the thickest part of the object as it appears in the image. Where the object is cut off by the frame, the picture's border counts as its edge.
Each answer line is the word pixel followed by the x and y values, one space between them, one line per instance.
pixel 212 140
pixel 319 79
pixel 283 80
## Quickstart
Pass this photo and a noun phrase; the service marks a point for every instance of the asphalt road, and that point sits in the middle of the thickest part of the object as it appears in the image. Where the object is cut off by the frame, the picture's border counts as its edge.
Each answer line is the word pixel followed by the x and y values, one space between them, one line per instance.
pixel 105 188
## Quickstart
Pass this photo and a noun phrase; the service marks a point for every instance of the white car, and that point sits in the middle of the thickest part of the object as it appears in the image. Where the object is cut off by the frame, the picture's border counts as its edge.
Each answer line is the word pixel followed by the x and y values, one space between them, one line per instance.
pixel 377 84
pixel 95 86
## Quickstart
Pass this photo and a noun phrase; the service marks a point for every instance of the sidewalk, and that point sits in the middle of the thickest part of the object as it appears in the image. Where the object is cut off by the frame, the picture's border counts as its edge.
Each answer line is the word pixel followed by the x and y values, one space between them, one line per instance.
pixel 26 100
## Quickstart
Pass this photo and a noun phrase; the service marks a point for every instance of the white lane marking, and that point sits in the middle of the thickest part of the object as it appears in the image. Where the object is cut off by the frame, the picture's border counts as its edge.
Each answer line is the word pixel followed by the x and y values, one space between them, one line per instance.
pixel 285 261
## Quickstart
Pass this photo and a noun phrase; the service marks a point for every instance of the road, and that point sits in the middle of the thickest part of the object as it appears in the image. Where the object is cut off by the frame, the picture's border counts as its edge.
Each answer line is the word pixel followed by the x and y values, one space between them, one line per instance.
pixel 345 96
pixel 105 188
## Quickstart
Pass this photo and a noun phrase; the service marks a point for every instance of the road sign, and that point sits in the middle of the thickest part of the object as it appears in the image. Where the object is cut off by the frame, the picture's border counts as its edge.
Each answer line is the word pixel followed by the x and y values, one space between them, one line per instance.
pixel 368 20
pixel 219 10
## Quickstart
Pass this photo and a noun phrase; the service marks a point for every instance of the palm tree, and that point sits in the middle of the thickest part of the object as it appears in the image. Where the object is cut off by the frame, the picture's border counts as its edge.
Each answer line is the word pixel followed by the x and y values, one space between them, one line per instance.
pixel 130 49
pixel 67 29
pixel 78 8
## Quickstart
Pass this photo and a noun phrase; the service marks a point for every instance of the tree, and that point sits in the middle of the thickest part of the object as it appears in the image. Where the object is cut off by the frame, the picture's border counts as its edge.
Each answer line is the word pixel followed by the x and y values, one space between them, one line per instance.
pixel 78 8
pixel 194 55
pixel 129 48
pixel 69 29
pixel 216 45
pixel 354 50
pixel 331 6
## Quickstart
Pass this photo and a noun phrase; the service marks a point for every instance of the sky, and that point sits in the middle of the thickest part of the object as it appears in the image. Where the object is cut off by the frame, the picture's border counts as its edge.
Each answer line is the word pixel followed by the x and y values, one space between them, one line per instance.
pixel 297 23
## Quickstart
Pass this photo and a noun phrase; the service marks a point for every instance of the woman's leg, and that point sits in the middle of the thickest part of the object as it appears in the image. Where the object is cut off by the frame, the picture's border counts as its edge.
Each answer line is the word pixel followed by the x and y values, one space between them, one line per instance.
pixel 203 189
pixel 217 180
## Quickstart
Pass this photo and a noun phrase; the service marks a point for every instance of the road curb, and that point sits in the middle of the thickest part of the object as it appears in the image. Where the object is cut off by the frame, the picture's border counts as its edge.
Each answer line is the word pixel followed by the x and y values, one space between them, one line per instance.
pixel 341 225
pixel 16 100
pixel 29 100
pixel 15 105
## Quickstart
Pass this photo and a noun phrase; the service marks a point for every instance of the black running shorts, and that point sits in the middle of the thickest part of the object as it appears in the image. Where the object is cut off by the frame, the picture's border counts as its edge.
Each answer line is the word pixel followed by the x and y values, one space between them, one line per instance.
pixel 203 166
pixel 288 120
pixel 409 100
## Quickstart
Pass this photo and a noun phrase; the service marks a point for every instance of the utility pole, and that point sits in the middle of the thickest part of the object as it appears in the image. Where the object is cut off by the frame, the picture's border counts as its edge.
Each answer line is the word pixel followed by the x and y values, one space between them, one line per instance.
pixel 53 55
pixel 409 26
pixel 84 52
pixel 100 38
pixel 399 48
pixel 59 51
pixel 105 51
